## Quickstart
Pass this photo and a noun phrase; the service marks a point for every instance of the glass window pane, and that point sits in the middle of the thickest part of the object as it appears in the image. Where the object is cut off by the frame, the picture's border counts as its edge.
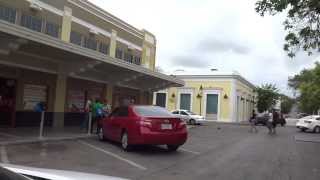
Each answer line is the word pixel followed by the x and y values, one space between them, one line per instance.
pixel 212 104
pixel 104 48
pixel 137 60
pixel 31 22
pixel 161 99
pixel 8 14
pixel 75 38
pixel 185 101
pixel 52 29
pixel 119 53
pixel 90 43
pixel 152 111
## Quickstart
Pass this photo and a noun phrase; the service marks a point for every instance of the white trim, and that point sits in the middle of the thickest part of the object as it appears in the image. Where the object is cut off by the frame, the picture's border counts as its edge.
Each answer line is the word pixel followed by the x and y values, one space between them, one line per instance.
pixel 185 91
pixel 84 23
pixel 209 79
pixel 205 93
pixel 155 97
pixel 109 16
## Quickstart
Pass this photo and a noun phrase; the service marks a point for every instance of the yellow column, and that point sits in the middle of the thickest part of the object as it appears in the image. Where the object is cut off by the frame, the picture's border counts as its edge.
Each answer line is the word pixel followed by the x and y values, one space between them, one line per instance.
pixel 113 43
pixel 149 51
pixel 60 100
pixel 66 24
pixel 109 94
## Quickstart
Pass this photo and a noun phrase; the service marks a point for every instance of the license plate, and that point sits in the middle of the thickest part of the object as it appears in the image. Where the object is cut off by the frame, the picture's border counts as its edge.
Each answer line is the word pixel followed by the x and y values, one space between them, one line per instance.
pixel 166 126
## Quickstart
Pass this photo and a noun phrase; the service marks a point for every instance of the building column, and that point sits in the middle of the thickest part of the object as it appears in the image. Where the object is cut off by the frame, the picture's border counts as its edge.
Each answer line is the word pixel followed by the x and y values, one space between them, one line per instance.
pixel 113 43
pixel 66 24
pixel 149 51
pixel 109 94
pixel 60 100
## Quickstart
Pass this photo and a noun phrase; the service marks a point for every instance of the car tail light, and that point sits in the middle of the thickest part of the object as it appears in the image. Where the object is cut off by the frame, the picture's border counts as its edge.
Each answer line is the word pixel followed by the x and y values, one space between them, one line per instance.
pixel 146 123
pixel 182 124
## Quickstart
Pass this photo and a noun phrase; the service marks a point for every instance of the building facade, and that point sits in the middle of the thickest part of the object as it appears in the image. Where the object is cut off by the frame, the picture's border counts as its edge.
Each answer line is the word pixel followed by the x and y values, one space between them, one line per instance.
pixel 64 52
pixel 223 97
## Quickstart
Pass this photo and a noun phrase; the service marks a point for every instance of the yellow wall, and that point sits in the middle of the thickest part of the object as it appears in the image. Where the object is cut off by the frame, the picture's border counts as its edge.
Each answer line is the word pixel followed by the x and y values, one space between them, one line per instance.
pixel 223 86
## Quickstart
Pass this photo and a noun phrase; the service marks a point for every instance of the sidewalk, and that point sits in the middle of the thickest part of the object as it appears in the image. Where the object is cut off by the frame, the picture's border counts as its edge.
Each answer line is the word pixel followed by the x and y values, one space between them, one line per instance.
pixel 31 134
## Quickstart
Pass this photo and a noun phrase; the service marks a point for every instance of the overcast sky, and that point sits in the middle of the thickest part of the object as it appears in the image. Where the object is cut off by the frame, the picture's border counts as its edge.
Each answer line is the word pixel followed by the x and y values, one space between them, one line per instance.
pixel 198 35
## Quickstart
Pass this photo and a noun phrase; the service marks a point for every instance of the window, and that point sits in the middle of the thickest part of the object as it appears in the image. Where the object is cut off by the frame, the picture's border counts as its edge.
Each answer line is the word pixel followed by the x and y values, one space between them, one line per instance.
pixel 8 14
pixel 52 29
pixel 31 22
pixel 119 53
pixel 104 48
pixel 155 111
pixel 161 99
pixel 75 38
pixel 185 101
pixel 128 57
pixel 175 112
pixel 137 60
pixel 184 113
pixel 90 43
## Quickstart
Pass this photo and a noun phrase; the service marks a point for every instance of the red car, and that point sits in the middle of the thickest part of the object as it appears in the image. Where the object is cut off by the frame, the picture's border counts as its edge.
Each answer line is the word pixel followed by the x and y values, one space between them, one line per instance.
pixel 148 125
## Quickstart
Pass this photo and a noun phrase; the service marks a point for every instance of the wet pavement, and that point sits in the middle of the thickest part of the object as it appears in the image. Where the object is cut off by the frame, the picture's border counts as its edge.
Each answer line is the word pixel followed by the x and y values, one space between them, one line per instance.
pixel 213 151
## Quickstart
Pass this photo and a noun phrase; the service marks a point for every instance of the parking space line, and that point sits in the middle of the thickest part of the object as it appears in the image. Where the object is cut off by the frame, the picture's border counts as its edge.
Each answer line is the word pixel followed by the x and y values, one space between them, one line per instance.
pixel 114 155
pixel 4 155
pixel 189 151
pixel 9 135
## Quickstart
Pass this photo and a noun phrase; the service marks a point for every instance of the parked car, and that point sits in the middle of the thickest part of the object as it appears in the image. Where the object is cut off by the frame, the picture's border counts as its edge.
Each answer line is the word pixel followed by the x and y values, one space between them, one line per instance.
pixel 189 117
pixel 15 172
pixel 144 125
pixel 309 123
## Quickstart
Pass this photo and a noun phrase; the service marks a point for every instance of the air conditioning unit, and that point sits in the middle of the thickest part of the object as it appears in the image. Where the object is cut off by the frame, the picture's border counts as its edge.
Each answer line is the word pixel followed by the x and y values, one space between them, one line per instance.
pixel 35 7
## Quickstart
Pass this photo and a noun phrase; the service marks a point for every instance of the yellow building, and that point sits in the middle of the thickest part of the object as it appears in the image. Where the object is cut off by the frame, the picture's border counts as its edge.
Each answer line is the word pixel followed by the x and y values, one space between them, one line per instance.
pixel 65 52
pixel 219 97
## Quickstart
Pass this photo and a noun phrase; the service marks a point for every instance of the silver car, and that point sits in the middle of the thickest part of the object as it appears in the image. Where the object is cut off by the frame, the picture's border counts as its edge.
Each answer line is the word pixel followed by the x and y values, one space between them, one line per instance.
pixel 189 117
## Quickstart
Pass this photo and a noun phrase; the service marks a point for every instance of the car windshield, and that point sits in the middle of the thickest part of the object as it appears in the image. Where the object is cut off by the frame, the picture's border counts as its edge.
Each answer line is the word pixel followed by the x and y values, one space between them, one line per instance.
pixel 152 111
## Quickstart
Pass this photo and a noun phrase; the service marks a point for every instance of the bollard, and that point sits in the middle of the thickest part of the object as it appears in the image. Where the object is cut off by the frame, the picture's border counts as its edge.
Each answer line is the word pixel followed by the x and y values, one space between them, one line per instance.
pixel 41 125
pixel 89 123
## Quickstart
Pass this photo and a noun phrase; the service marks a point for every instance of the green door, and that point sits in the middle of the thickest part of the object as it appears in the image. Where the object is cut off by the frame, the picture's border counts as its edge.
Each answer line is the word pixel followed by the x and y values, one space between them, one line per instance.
pixel 212 106
pixel 185 101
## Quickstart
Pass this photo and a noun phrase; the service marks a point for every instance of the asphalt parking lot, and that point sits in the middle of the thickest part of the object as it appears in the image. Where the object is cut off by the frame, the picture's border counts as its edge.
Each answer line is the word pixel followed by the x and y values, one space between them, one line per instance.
pixel 213 151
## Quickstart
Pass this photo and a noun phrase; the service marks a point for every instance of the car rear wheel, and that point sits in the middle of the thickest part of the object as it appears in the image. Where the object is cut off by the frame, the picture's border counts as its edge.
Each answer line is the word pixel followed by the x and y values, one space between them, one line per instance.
pixel 124 141
pixel 172 147
pixel 303 130
pixel 101 135
pixel 317 129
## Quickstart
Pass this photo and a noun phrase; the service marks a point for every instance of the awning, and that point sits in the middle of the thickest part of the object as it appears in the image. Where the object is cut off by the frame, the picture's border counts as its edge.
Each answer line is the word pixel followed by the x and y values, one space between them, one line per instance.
pixel 21 47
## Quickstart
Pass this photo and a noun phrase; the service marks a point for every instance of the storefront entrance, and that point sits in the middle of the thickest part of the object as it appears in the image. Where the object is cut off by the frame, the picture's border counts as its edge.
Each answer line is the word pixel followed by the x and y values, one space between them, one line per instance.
pixel 7 102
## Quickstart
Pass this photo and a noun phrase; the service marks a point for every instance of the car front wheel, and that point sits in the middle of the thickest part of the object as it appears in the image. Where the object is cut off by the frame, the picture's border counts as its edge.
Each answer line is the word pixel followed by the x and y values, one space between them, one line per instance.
pixel 193 122
pixel 172 147
pixel 317 129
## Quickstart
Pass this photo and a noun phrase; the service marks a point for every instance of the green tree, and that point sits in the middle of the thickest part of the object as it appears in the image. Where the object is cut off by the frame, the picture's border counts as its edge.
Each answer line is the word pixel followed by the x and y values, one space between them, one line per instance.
pixel 286 103
pixel 267 96
pixel 307 82
pixel 302 22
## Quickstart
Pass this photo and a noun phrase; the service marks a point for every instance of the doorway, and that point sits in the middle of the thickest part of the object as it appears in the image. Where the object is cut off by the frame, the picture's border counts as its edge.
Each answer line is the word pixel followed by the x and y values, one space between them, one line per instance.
pixel 7 102
pixel 212 107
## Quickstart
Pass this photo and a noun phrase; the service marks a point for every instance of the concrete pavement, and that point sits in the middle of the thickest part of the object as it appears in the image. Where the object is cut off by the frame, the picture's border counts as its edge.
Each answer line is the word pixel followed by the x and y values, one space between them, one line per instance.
pixel 213 151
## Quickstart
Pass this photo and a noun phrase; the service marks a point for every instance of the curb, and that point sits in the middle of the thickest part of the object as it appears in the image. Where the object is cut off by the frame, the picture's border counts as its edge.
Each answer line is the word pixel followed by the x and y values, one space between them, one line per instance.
pixel 37 140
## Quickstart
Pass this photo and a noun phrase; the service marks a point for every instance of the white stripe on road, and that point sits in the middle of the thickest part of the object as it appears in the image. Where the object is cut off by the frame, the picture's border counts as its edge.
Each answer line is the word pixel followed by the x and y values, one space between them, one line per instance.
pixel 4 155
pixel 113 155
pixel 186 150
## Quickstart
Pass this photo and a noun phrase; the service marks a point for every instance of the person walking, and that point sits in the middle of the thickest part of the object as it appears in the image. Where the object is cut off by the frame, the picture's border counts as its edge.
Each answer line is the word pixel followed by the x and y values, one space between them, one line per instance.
pixel 275 120
pixel 252 122
pixel 269 122
pixel 97 113
pixel 87 110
